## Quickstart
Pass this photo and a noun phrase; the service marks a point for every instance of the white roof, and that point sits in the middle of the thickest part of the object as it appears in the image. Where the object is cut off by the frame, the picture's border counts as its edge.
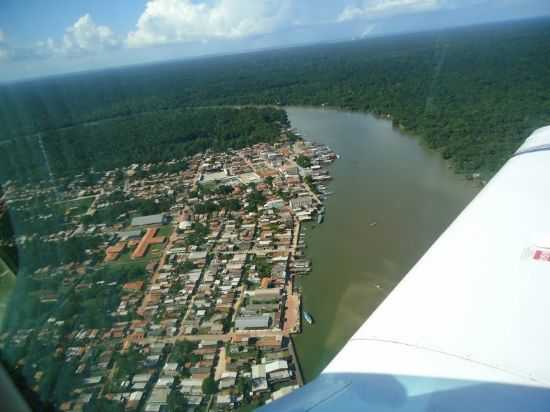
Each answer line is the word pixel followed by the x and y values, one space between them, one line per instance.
pixel 191 382
pixel 258 371
pixel 143 377
pixel 276 365
pixel 476 306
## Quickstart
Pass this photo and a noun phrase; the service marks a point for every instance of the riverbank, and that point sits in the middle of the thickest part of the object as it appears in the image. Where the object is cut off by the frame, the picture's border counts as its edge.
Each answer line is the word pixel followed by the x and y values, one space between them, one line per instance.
pixel 384 176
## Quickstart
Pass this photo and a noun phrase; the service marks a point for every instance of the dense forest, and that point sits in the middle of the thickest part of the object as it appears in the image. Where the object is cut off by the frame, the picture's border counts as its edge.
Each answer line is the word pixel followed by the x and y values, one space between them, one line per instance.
pixel 474 93
pixel 141 138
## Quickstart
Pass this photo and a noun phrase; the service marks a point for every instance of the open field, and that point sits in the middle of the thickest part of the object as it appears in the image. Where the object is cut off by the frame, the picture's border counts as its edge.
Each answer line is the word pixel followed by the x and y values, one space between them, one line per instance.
pixel 80 205
pixel 165 230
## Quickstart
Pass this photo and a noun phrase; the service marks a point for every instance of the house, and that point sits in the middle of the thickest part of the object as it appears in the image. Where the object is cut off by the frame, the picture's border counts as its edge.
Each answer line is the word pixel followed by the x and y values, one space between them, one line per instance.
pixel 259 385
pixel 143 377
pixel 170 369
pixel 134 399
pixel 191 386
pixel 113 252
pixel 133 286
pixel 198 255
pixel 152 360
pixel 269 342
pixel 164 382
pixel 158 399
pixel 223 399
pixel 279 376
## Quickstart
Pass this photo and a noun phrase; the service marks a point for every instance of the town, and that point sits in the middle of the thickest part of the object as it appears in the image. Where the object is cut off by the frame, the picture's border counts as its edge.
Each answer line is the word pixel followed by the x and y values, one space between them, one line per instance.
pixel 178 284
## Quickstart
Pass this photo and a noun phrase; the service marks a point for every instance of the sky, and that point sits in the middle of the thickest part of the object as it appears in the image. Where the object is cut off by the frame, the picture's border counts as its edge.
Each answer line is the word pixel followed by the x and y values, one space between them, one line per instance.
pixel 46 37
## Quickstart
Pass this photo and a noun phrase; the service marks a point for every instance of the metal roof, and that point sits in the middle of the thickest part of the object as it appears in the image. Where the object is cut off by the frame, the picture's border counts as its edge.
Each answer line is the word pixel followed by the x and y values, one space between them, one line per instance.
pixel 149 220
pixel 243 322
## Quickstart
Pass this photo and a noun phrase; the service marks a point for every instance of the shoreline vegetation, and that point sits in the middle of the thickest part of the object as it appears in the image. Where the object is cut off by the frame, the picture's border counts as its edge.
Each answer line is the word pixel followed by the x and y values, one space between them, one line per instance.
pixel 473 93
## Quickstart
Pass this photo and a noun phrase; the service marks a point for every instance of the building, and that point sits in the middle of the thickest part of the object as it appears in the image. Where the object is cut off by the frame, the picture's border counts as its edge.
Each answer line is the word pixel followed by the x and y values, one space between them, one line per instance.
pixel 258 371
pixel 275 204
pixel 158 219
pixel 266 295
pixel 113 252
pixel 130 234
pixel 253 322
pixel 214 177
pixel 157 399
pixel 247 178
pixel 133 286
pixel 301 202
pixel 147 240
pixel 276 365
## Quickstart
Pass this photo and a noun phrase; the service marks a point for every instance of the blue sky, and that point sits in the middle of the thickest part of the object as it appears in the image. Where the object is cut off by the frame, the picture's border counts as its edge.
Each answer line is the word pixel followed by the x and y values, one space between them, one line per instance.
pixel 45 37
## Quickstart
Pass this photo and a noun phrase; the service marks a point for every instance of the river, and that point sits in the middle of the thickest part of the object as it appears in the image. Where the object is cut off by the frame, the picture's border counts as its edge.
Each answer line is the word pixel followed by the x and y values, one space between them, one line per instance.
pixel 383 176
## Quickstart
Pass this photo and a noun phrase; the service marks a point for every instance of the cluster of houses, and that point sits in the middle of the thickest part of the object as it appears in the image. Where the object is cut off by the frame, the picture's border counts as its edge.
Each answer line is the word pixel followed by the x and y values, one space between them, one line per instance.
pixel 211 317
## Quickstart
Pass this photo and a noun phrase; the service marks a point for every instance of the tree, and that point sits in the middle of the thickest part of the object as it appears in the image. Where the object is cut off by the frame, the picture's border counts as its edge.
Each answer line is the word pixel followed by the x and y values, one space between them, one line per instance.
pixel 198 234
pixel 224 190
pixel 232 204
pixel 263 267
pixel 209 386
pixel 303 161
pixel 182 351
pixel 244 386
pixel 187 266
pixel 177 401
pixel 255 199
pixel 105 405
pixel 206 207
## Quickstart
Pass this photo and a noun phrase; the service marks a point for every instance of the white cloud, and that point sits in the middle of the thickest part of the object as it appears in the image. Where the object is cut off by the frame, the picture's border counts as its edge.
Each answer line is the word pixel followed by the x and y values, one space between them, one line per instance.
pixel 83 37
pixel 173 21
pixel 382 8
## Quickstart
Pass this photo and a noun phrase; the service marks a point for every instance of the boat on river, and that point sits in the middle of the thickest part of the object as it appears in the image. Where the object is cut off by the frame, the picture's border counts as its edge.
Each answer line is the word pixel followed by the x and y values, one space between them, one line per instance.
pixel 308 318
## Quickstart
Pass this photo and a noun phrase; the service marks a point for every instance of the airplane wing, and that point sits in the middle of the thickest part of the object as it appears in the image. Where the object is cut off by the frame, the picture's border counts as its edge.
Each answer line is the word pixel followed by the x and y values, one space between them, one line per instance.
pixel 468 328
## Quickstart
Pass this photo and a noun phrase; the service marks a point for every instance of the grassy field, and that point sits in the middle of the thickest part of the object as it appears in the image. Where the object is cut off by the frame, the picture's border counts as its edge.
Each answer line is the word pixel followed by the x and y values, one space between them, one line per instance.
pixel 81 205
pixel 153 252
pixel 126 258
pixel 165 230
pixel 128 265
